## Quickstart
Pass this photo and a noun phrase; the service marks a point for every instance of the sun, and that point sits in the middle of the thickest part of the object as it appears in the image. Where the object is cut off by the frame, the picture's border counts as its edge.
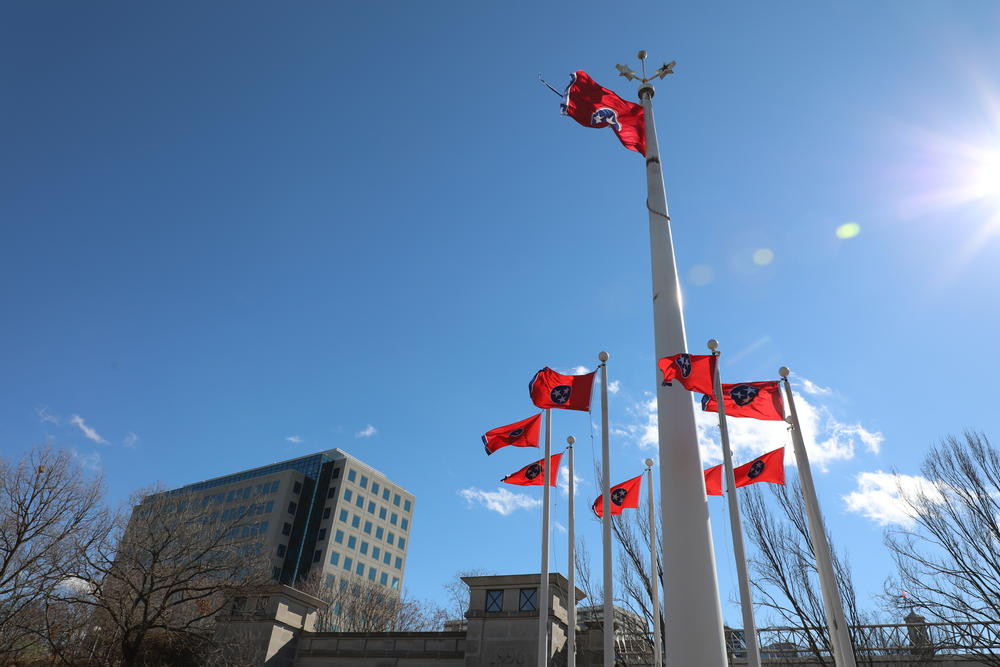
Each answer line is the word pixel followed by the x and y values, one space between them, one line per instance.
pixel 984 176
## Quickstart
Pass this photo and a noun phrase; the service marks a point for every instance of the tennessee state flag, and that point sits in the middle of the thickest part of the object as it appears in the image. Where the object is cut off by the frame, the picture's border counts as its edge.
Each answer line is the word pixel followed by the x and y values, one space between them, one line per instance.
pixel 695 371
pixel 768 467
pixel 554 390
pixel 519 434
pixel 531 474
pixel 592 105
pixel 757 400
pixel 623 496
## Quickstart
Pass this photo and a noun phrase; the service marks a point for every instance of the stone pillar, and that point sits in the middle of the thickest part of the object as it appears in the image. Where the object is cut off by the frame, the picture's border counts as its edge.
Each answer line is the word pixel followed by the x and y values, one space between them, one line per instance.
pixel 262 628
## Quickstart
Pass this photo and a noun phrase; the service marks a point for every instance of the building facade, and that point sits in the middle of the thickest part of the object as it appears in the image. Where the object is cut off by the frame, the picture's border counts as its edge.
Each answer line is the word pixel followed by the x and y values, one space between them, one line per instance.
pixel 327 514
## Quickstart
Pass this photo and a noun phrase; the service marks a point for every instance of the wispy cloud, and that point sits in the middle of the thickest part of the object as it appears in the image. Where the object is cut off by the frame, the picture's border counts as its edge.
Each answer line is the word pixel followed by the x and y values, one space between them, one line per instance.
pixel 45 415
pixel 879 496
pixel 90 461
pixel 559 527
pixel 814 389
pixel 294 438
pixel 614 386
pixel 88 432
pixel 367 432
pixel 501 501
pixel 827 438
pixel 562 481
pixel 130 440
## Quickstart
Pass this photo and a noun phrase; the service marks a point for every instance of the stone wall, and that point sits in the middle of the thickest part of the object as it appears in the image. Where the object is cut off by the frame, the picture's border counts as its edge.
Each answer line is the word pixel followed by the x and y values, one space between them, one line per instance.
pixel 381 649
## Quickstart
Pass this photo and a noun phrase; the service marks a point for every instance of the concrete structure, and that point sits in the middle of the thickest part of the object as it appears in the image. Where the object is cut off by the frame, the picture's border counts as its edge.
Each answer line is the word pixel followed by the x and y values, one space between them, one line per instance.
pixel 327 511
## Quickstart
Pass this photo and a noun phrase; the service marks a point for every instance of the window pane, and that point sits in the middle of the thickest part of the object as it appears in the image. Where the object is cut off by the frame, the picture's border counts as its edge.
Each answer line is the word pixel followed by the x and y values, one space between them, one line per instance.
pixel 391 539
pixel 402 543
pixel 376 553
pixel 393 518
pixel 292 507
pixel 371 507
pixel 364 547
pixel 375 488
pixel 351 475
pixel 360 569
pixel 381 512
pixel 385 494
pixel 406 506
pixel 404 524
pixel 339 537
pixel 494 600
pixel 368 527
pixel 352 542
pixel 364 482
pixel 343 515
pixel 379 532
pixel 360 500
pixel 348 562
pixel 355 521
pixel 347 494
pixel 395 500
pixel 399 563
pixel 528 599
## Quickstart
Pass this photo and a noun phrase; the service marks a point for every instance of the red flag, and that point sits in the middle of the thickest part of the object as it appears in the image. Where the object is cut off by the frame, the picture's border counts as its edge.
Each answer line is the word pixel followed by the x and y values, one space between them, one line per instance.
pixel 554 390
pixel 519 434
pixel 713 481
pixel 758 400
pixel 695 371
pixel 768 467
pixel 531 474
pixel 594 106
pixel 623 496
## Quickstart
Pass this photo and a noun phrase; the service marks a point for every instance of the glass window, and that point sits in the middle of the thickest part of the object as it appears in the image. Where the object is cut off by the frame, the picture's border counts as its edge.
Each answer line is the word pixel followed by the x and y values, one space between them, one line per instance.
pixel 292 507
pixel 281 550
pixel 364 547
pixel 393 518
pixel 274 486
pixel 494 600
pixel 355 521
pixel 336 473
pixel 360 569
pixel 329 580
pixel 368 527
pixel 387 558
pixel 528 599
pixel 395 583
pixel 229 496
pixel 269 506
pixel 332 492
pixel 375 487
pixel 360 500
pixel 348 562
pixel 326 513
pixel 351 475
pixel 338 537
pixel 263 527
pixel 297 487
pixel 371 573
pixel 381 512
pixel 406 505
pixel 384 579
pixel 391 538
pixel 322 533
pixel 347 495
pixel 343 515
pixel 364 482
pixel 371 507
pixel 404 524
pixel 317 555
pixel 395 500
pixel 376 552
pixel 379 532
pixel 385 494
pixel 399 563
pixel 246 492
pixel 402 543
pixel 352 542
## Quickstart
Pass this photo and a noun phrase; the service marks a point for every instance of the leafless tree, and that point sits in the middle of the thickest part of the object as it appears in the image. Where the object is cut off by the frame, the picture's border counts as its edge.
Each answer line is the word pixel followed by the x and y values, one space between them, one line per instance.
pixel 49 509
pixel 458 593
pixel 948 559
pixel 355 604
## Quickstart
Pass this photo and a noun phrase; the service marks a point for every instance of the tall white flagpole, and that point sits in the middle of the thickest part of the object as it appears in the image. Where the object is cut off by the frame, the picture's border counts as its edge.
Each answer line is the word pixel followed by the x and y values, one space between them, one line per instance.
pixel 746 601
pixel 694 630
pixel 654 574
pixel 609 609
pixel 840 635
pixel 543 585
pixel 571 566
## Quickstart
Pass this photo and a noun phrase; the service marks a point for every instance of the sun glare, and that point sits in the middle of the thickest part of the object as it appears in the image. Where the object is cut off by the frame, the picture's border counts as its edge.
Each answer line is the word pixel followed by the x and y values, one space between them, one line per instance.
pixel 984 180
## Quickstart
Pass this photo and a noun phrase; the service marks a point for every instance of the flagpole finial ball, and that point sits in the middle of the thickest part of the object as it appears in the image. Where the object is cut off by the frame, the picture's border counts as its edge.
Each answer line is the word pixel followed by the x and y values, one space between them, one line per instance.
pixel 570 440
pixel 713 344
pixel 603 356
pixel 649 463
pixel 642 54
pixel 783 371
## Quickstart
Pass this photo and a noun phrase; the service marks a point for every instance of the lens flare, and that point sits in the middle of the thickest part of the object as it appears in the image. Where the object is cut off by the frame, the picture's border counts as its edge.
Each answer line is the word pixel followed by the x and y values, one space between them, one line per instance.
pixel 848 230
pixel 763 256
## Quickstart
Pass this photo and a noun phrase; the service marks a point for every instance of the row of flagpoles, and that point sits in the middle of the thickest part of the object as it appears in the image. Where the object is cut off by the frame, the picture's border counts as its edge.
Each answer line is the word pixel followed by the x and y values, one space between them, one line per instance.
pixel 696 373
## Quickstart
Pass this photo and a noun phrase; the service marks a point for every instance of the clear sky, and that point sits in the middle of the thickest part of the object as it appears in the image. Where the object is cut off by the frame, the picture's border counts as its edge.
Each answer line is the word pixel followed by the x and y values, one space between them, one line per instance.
pixel 239 232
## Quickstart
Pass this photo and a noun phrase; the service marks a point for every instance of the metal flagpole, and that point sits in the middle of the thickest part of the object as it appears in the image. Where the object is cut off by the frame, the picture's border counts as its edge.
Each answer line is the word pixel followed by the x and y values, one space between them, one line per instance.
pixel 571 566
pixel 654 574
pixel 543 586
pixel 840 636
pixel 746 601
pixel 609 610
pixel 694 631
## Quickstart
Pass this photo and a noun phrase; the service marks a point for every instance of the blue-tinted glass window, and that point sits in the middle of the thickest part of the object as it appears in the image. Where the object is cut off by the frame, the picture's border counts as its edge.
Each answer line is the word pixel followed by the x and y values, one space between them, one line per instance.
pixel 376 553
pixel 391 538
pixel 352 542
pixel 269 506
pixel 399 563
pixel 343 515
pixel 338 537
pixel 494 601
pixel 292 507
pixel 348 562
pixel 375 488
pixel 402 543
pixel 385 494
pixel 364 548
pixel 384 579
pixel 395 583
pixel 355 521
pixel 329 580
pixel 395 500
pixel 368 527
pixel 528 599
pixel 371 507
pixel 381 512
pixel 371 573
pixel 364 482
pixel 379 532
pixel 351 475
pixel 360 569
pixel 387 558
pixel 347 494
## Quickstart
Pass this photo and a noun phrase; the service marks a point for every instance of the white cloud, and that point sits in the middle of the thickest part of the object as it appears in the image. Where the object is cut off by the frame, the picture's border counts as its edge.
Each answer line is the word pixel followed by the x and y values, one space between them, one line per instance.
pixel 827 438
pixel 614 386
pixel 367 432
pixel 878 496
pixel 46 415
pixel 580 370
pixel 77 585
pixel 90 461
pixel 130 440
pixel 559 527
pixel 294 438
pixel 88 432
pixel 811 387
pixel 562 481
pixel 500 501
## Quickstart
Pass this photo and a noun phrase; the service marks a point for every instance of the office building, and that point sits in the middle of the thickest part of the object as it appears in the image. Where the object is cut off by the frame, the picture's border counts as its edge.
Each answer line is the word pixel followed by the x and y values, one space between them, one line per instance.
pixel 326 512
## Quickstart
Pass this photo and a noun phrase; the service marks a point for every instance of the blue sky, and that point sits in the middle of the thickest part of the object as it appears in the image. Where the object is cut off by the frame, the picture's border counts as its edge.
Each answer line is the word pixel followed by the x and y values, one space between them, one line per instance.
pixel 238 232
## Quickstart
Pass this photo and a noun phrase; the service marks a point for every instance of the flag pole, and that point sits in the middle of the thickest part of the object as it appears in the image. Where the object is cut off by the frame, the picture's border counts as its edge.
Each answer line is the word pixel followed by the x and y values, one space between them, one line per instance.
pixel 571 566
pixel 654 573
pixel 543 587
pixel 609 610
pixel 840 636
pixel 739 551
pixel 694 632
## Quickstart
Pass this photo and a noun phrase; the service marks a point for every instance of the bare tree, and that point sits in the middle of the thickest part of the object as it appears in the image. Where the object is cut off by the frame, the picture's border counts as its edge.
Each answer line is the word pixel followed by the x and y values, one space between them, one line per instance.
pixel 948 560
pixel 458 593
pixel 355 604
pixel 49 509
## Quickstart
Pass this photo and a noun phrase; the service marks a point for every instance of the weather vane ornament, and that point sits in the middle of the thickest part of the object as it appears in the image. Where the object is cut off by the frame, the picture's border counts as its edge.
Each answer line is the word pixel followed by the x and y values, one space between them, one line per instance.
pixel 661 72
